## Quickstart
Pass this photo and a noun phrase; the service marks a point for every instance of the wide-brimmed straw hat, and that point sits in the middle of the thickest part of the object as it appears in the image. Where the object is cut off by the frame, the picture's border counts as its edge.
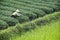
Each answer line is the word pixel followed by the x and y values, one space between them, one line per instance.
pixel 18 10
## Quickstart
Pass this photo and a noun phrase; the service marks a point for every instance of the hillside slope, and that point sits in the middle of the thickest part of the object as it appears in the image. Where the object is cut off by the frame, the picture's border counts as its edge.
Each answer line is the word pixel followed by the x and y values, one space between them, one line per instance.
pixel 21 29
pixel 40 20
pixel 50 31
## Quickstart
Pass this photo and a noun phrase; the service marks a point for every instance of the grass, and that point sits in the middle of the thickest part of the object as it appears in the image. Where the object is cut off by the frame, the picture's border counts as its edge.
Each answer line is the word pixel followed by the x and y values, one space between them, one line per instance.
pixel 49 31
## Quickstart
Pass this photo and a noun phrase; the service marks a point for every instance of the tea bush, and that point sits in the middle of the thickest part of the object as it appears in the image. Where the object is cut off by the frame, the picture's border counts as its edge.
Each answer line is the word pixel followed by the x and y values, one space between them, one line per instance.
pixel 11 21
pixel 48 18
pixel 31 16
pixel 3 24
pixel 39 13
pixel 22 19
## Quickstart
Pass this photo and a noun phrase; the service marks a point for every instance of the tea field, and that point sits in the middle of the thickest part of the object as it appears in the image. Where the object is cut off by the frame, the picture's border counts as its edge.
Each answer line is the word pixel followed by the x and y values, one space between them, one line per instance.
pixel 40 20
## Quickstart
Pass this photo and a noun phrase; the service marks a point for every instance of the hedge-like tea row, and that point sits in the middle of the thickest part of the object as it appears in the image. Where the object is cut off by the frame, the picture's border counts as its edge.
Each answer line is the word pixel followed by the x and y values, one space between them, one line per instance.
pixel 29 14
pixel 39 13
pixel 11 21
pixel 48 18
pixel 31 9
pixel 22 19
pixel 20 2
pixel 5 12
pixel 3 24
pixel 14 2
pixel 39 21
pixel 45 1
pixel 7 8
pixel 35 7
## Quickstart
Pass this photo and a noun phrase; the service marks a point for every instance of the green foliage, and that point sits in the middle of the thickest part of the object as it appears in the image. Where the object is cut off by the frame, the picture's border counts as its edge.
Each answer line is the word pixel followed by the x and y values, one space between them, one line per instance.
pixel 5 13
pixel 11 21
pixel 3 24
pixel 22 19
pixel 4 36
pixel 26 26
pixel 48 7
pixel 31 15
pixel 48 18
pixel 39 13
pixel 8 8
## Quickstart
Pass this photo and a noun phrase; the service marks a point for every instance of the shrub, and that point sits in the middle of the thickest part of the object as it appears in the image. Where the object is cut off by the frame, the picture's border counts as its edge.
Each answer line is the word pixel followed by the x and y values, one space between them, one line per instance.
pixel 4 36
pixel 39 13
pixel 4 7
pixel 29 26
pixel 46 9
pixel 26 26
pixel 31 15
pixel 41 21
pixel 5 12
pixel 22 19
pixel 11 21
pixel 54 7
pixel 48 18
pixel 3 24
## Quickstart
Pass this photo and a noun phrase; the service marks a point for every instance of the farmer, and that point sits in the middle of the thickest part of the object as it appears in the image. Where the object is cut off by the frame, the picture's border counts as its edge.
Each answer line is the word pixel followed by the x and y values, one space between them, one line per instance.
pixel 17 13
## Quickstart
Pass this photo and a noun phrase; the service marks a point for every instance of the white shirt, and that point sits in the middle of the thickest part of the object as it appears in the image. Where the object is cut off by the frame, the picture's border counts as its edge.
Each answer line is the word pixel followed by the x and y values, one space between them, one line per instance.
pixel 16 13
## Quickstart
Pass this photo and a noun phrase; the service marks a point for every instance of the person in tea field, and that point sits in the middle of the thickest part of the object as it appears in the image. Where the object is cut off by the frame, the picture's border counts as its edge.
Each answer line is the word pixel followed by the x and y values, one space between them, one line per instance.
pixel 17 13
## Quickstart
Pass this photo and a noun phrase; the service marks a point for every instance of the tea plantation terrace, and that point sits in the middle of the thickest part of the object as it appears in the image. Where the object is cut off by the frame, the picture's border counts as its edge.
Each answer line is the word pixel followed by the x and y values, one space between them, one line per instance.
pixel 30 10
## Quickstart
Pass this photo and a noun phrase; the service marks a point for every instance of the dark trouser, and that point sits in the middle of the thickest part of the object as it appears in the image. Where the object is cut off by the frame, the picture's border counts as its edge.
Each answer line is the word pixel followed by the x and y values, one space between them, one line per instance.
pixel 14 16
